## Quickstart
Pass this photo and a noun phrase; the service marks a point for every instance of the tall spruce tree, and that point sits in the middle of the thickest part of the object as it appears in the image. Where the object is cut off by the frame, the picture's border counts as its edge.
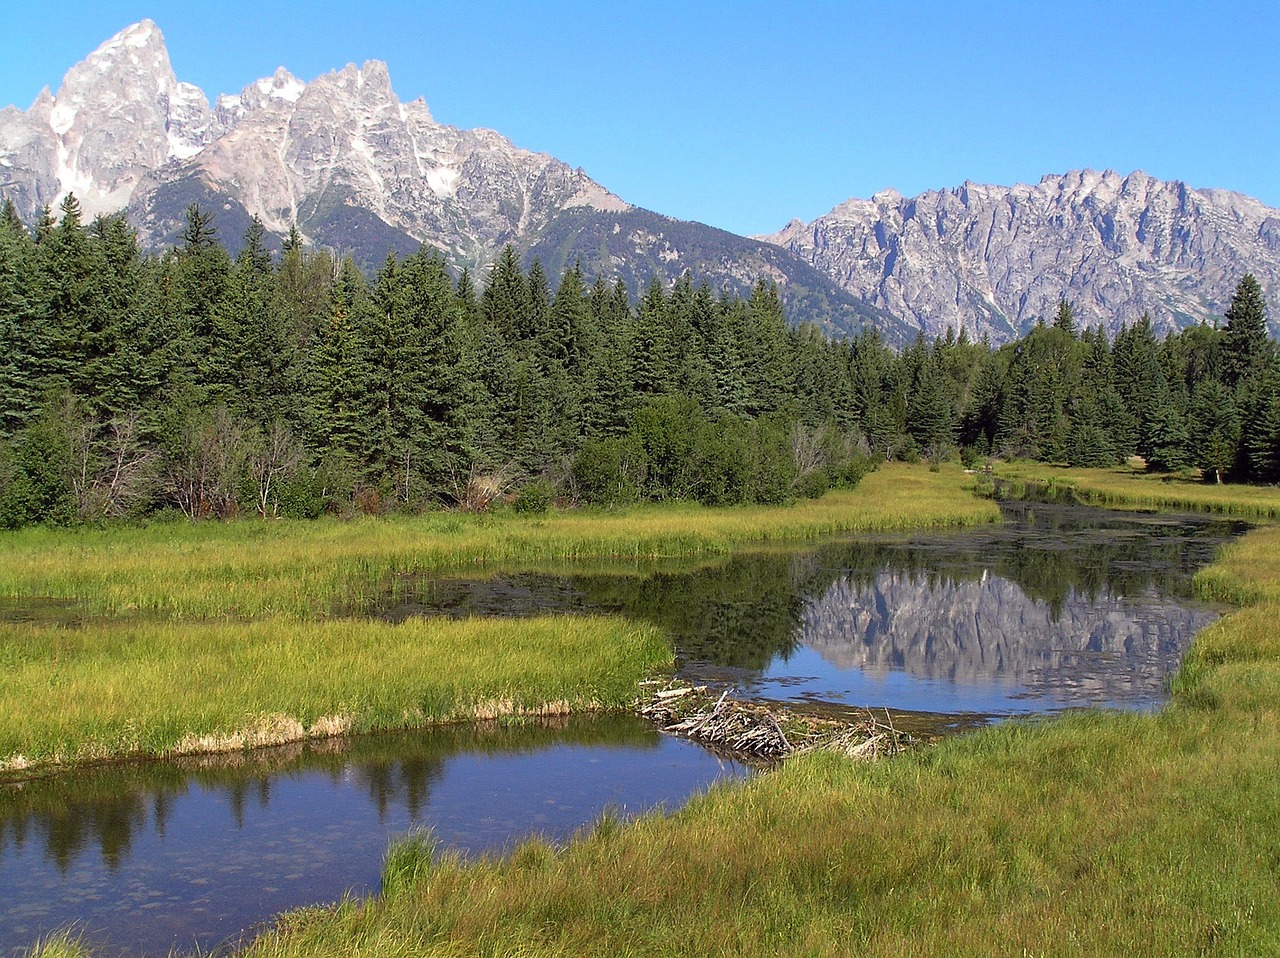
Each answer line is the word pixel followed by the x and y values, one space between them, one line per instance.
pixel 19 359
pixel 1246 350
pixel 1215 429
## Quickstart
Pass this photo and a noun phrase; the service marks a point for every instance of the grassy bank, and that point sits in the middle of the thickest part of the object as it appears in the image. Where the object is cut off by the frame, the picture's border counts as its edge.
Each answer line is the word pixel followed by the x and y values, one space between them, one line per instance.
pixel 179 638
pixel 153 688
pixel 1098 834
pixel 253 569
pixel 1127 486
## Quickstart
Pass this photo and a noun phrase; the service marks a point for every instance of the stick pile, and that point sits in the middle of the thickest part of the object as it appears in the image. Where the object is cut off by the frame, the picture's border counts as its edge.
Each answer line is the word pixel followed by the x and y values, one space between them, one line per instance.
pixel 763 730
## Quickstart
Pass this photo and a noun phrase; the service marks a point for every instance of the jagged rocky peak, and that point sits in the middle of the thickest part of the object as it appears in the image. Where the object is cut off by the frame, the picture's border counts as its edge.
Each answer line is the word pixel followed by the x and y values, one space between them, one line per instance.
pixel 118 113
pixel 280 90
pixel 122 109
pixel 994 259
pixel 338 155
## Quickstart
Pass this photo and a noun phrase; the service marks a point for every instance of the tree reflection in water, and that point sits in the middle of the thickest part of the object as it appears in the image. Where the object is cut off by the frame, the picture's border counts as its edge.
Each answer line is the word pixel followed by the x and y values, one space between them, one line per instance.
pixel 1091 602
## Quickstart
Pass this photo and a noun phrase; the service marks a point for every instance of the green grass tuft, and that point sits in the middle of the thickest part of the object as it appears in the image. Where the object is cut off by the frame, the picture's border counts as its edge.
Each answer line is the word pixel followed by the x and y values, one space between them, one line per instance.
pixel 408 862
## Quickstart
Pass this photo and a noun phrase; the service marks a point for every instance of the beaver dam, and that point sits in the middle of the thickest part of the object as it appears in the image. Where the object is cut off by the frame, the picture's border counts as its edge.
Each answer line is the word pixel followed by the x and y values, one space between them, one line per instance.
pixel 764 730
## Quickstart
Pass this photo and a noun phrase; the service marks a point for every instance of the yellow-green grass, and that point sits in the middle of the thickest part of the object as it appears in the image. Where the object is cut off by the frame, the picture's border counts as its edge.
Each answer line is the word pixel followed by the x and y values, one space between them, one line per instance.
pixel 255 569
pixel 1093 834
pixel 177 638
pixel 128 688
pixel 61 945
pixel 1130 486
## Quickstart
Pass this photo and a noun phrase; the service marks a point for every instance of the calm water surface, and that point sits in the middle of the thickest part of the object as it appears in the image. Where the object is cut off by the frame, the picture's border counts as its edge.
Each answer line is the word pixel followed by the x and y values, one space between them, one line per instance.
pixel 1059 607
pixel 147 857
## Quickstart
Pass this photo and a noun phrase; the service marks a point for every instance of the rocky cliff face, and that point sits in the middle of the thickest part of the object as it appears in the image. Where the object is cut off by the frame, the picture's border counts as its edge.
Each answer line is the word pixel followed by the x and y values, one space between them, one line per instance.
pixel 995 259
pixel 358 171
pixel 123 132
pixel 118 115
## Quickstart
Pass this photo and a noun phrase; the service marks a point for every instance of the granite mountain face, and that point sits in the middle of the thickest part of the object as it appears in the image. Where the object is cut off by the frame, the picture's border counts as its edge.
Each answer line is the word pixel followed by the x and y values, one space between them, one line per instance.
pixel 359 171
pixel 994 259
pixel 122 131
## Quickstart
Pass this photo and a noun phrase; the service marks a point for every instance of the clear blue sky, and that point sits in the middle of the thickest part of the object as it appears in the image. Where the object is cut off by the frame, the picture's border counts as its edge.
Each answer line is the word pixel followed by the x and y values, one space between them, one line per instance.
pixel 743 115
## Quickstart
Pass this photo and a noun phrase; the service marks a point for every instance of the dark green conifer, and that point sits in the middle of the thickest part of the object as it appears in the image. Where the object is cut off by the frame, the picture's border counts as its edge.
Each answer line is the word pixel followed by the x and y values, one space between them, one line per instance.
pixel 1245 346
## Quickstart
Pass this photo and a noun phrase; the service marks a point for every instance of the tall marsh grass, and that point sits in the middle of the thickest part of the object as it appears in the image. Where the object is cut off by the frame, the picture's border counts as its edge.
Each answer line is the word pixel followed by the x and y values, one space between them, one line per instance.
pixel 129 688
pixel 1125 486
pixel 253 569
pixel 1091 834
pixel 177 638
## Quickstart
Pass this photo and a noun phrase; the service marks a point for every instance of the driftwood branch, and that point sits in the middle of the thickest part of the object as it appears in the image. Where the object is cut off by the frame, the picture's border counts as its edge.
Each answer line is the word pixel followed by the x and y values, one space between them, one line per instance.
pixel 762 730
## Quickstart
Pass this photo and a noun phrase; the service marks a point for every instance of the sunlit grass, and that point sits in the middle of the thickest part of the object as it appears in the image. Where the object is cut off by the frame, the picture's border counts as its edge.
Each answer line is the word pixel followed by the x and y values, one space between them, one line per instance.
pixel 155 688
pixel 184 637
pixel 1093 834
pixel 253 569
pixel 60 945
pixel 1127 486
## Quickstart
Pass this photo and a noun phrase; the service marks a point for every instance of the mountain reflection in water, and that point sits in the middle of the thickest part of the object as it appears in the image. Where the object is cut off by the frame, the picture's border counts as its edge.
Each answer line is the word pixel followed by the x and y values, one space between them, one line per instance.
pixel 1057 607
pixel 1018 653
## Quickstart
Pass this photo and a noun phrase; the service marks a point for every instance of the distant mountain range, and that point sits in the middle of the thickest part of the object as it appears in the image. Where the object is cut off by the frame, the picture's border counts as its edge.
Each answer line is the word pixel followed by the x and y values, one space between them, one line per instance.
pixel 995 259
pixel 357 170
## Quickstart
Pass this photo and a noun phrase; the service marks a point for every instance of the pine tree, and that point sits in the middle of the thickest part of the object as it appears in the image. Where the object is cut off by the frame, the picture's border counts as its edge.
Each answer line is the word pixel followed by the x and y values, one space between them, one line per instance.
pixel 535 322
pixel 762 343
pixel 19 360
pixel 505 300
pixel 1258 399
pixel 1089 445
pixel 252 364
pixel 930 411
pixel 66 285
pixel 338 374
pixel 119 374
pixel 1261 434
pixel 1215 429
pixel 652 357
pixel 1168 441
pixel 1065 319
pixel 1245 346
pixel 202 271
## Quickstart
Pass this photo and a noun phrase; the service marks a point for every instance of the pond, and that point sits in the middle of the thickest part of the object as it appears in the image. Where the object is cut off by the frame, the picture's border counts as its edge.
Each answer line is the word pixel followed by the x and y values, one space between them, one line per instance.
pixel 145 857
pixel 1059 607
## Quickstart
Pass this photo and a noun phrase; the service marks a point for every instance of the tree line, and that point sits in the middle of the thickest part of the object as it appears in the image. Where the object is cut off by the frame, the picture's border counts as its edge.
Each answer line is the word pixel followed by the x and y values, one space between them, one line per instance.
pixel 292 384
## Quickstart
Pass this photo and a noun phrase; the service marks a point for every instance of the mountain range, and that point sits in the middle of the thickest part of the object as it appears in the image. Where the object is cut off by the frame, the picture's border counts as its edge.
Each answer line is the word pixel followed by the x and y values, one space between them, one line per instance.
pixel 357 170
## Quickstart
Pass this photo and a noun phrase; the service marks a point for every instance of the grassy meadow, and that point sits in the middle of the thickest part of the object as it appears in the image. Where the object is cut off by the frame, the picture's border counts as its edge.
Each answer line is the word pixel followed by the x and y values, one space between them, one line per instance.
pixel 176 638
pixel 1094 834
pixel 1127 486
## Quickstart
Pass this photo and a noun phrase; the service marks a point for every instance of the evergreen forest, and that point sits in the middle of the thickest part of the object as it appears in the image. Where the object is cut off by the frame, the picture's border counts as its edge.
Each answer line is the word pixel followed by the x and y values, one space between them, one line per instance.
pixel 199 384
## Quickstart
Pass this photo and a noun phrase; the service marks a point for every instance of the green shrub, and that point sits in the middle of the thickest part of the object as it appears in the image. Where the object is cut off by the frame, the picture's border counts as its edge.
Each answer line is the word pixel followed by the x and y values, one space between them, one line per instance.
pixel 535 497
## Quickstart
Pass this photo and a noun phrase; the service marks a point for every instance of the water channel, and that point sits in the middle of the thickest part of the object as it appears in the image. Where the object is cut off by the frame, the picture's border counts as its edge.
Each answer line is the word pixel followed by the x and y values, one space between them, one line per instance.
pixel 1059 607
